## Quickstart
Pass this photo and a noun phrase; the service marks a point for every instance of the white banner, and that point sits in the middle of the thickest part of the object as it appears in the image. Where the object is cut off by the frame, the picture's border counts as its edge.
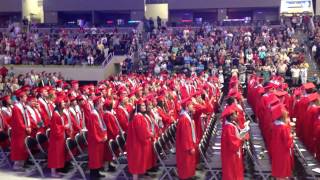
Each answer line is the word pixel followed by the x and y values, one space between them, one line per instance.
pixel 290 7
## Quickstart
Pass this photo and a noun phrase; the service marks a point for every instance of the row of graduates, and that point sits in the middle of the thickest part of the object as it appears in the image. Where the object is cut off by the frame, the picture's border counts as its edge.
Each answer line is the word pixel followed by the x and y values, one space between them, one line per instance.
pixel 234 132
pixel 195 106
pixel 274 109
pixel 105 111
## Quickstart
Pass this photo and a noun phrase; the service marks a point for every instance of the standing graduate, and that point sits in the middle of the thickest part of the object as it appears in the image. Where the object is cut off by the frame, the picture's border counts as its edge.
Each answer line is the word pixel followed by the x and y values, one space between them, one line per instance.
pixel 56 150
pixel 186 141
pixel 231 147
pixel 139 136
pixel 21 128
pixel 281 144
pixel 97 137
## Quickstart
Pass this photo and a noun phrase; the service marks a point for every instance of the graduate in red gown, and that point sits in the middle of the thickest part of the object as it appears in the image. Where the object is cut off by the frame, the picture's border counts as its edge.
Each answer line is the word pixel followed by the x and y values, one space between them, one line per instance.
pixel 56 150
pixel 186 141
pixel 152 158
pixel 113 127
pixel 97 137
pixel 231 147
pixel 138 138
pixel 123 113
pixel 46 111
pixel 281 144
pixel 34 116
pixel 316 135
pixel 20 130
pixel 5 119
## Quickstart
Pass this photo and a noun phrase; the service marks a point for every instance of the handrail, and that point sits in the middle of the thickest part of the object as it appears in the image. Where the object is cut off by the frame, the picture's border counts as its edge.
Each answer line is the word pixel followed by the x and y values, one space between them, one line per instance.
pixel 108 59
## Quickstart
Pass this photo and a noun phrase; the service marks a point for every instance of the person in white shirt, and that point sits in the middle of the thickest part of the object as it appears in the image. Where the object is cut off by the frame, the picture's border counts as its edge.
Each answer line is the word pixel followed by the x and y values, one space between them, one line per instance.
pixel 295 72
pixel 304 72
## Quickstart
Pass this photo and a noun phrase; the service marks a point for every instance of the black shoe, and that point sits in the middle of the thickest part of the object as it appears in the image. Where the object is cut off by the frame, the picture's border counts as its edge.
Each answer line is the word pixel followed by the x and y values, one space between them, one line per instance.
pixel 95 175
pixel 153 170
pixel 62 170
pixel 111 168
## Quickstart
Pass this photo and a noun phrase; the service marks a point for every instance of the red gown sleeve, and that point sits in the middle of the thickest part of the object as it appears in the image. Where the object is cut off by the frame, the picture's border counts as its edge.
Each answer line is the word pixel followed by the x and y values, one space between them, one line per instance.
pixel 184 136
pixel 234 142
pixel 141 126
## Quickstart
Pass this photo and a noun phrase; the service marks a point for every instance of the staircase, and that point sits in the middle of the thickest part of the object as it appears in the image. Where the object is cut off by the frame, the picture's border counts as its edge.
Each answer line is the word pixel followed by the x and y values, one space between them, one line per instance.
pixel 313 67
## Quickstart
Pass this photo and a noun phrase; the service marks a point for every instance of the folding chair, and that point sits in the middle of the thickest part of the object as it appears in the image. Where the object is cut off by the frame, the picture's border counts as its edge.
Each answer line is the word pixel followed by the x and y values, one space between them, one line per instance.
pixel 85 135
pixel 37 158
pixel 48 132
pixel 9 134
pixel 77 160
pixel 121 144
pixel 41 140
pixel 4 152
pixel 122 162
pixel 168 164
pixel 81 143
pixel 210 167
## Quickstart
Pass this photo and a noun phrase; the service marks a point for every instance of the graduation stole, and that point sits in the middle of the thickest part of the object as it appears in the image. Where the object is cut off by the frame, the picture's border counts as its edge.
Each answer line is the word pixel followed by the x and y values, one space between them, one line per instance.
pixel 113 113
pixel 62 122
pixel 234 124
pixel 151 123
pixel 23 112
pixel 46 106
pixel 157 118
pixel 101 122
pixel 125 111
pixel 74 113
pixel 193 129
pixel 66 112
pixel 1 121
pixel 8 111
pixel 32 113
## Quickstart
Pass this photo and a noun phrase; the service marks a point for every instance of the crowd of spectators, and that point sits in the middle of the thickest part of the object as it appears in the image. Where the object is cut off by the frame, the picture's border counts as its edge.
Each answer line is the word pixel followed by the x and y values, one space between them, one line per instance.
pixel 10 82
pixel 226 50
pixel 61 46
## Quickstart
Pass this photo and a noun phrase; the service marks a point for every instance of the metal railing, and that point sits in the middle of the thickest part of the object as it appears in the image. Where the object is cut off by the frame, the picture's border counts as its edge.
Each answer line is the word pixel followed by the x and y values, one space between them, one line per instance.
pixel 108 59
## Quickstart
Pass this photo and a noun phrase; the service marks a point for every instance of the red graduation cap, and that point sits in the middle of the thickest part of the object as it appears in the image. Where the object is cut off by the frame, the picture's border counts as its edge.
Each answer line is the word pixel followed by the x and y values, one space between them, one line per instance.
pixel 307 86
pixel 20 93
pixel 6 98
pixel 280 93
pixel 313 97
pixel 186 102
pixel 277 111
pixel 59 100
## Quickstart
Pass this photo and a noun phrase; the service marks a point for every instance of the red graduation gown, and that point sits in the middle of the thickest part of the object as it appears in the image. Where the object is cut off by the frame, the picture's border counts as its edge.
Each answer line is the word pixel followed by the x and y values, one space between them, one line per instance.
pixel 166 119
pixel 123 117
pixel 112 132
pixel 151 156
pixel 5 118
pixel 199 110
pixel 137 140
pixel 316 137
pixel 45 110
pixel 231 154
pixel 18 135
pixel 311 116
pixel 301 108
pixel 186 162
pixel 282 152
pixel 96 143
pixel 56 150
